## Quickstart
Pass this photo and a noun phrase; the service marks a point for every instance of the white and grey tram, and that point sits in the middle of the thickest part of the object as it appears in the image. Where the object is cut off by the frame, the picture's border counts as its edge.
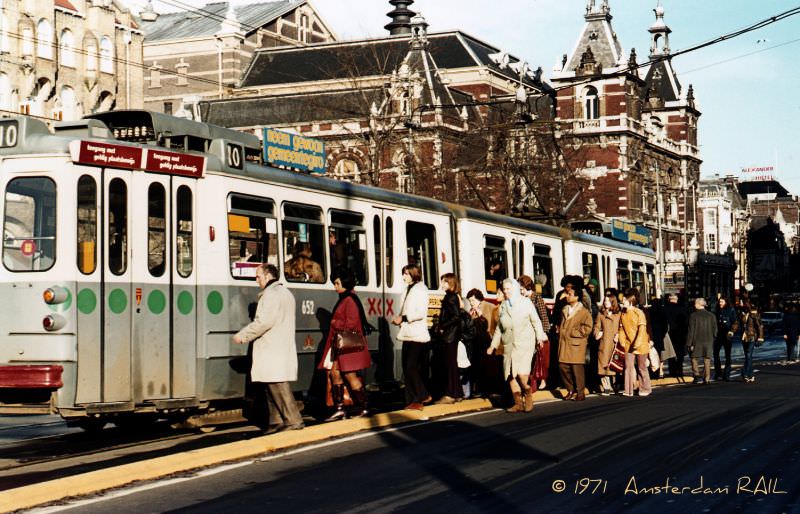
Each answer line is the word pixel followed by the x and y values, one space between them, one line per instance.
pixel 130 242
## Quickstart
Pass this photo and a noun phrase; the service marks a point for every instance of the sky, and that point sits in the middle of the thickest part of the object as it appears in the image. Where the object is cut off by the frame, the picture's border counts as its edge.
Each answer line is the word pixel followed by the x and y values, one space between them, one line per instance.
pixel 747 88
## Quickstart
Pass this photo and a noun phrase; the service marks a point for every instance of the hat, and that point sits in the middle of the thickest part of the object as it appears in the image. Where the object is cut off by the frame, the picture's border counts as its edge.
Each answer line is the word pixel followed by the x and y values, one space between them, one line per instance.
pixel 593 282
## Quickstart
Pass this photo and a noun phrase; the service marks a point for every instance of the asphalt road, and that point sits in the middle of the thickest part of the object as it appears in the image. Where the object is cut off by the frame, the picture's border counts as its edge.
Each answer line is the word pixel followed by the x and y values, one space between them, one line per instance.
pixel 724 447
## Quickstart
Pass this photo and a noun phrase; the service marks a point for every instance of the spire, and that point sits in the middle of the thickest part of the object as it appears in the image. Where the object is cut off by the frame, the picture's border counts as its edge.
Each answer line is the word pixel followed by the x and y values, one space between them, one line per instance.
pixel 598 13
pixel 401 17
pixel 148 13
pixel 419 31
pixel 659 34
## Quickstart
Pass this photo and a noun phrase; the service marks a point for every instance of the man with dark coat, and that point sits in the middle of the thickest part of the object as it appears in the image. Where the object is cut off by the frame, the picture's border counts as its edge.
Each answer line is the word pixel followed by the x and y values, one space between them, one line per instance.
pixel 791 331
pixel 726 321
pixel 700 340
pixel 678 321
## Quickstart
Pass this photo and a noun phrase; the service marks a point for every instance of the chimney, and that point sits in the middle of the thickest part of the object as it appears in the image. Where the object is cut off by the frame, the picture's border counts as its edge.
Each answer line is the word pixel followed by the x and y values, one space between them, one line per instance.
pixel 401 17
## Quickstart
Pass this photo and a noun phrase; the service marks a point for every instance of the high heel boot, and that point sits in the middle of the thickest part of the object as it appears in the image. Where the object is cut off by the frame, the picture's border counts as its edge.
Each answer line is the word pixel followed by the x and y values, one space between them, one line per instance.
pixel 359 402
pixel 518 405
pixel 337 394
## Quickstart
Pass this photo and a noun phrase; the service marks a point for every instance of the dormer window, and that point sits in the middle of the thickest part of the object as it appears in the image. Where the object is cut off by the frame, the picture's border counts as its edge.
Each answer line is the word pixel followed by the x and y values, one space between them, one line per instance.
pixel 591 104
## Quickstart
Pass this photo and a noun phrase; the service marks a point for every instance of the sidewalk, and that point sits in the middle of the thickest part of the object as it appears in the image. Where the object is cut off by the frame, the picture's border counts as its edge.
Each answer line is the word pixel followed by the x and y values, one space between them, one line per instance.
pixel 118 476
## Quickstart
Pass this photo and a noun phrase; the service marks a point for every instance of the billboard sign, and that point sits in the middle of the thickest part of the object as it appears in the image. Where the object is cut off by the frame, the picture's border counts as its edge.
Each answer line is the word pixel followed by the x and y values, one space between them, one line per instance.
pixel 631 233
pixel 293 151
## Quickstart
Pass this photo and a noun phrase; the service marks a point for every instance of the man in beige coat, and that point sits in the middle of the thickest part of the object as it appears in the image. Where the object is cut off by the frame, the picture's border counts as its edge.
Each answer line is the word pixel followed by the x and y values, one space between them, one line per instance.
pixel 274 352
pixel 576 325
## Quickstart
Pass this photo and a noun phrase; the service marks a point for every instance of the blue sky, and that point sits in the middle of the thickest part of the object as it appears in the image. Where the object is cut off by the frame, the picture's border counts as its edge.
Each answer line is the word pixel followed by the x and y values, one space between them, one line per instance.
pixel 750 104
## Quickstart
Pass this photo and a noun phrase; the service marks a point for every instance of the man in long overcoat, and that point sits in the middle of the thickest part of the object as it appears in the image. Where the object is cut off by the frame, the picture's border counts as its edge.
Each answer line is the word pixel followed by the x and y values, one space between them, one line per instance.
pixel 274 352
pixel 576 325
pixel 700 340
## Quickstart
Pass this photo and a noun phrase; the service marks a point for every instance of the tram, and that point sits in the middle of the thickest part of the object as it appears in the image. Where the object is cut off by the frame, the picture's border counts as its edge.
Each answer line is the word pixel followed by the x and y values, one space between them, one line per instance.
pixel 131 239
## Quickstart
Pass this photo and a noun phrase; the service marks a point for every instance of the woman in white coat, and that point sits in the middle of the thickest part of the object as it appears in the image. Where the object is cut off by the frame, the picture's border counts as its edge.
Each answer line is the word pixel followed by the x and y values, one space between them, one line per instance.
pixel 413 321
pixel 520 332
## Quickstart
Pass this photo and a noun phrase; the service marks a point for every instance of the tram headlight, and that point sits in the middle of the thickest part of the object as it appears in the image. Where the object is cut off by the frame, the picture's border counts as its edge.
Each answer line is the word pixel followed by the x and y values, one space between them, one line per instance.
pixel 54 295
pixel 53 322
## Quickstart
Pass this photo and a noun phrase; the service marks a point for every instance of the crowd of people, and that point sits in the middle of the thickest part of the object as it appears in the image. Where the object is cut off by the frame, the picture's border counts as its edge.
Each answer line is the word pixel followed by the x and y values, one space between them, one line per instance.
pixel 508 348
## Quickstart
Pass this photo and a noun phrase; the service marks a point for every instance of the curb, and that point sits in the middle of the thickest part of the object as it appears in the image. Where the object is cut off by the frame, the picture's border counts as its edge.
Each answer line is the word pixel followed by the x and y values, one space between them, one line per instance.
pixel 99 480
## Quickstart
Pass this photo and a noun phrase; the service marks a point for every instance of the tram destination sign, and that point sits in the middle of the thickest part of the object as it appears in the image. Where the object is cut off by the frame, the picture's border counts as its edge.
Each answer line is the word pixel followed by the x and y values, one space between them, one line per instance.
pixel 631 233
pixel 109 155
pixel 293 151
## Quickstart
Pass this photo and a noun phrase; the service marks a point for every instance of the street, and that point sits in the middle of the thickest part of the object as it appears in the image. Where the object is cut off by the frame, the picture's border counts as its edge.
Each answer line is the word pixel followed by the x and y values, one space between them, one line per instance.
pixel 710 448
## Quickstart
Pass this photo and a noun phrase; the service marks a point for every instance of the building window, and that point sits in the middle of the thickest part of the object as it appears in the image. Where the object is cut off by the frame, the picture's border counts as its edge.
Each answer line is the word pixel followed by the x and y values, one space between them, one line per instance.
pixel 673 207
pixel 68 106
pixel 591 104
pixel 27 41
pixel 5 41
pixel 106 55
pixel 44 35
pixel 91 57
pixel 645 201
pixel 5 92
pixel 182 70
pixel 711 243
pixel 347 169
pixel 67 48
pixel 304 29
pixel 168 108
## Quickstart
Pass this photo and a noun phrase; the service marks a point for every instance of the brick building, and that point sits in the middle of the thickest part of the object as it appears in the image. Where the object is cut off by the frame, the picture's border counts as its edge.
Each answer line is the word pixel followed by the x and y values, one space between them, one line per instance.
pixel 202 54
pixel 441 114
pixel 61 59
pixel 630 131
pixel 769 199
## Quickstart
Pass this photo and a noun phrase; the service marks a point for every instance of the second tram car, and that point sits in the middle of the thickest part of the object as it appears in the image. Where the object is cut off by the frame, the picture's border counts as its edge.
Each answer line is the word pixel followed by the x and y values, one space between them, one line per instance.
pixel 130 242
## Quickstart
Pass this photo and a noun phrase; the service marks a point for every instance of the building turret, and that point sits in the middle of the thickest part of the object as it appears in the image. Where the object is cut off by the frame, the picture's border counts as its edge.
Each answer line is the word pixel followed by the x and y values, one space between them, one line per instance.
pixel 659 34
pixel 401 17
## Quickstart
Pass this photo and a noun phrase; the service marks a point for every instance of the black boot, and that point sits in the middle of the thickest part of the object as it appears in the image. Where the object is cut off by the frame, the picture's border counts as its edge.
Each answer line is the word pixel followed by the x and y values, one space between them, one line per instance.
pixel 359 402
pixel 337 394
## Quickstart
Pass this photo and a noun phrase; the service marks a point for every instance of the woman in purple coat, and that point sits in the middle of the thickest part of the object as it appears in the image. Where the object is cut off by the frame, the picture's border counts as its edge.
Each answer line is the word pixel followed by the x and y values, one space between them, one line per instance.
pixel 348 316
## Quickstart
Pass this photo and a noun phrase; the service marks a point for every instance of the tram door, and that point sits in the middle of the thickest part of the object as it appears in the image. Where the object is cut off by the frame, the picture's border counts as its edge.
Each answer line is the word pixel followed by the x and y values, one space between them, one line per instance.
pixel 164 313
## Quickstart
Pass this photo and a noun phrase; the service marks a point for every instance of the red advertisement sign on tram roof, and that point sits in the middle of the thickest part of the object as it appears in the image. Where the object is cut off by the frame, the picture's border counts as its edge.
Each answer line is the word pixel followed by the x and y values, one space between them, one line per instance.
pixel 109 155
pixel 160 161
pixel 92 153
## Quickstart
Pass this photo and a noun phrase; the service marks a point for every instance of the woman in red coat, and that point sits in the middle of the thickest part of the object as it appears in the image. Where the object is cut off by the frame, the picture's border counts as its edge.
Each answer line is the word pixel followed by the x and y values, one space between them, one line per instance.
pixel 348 316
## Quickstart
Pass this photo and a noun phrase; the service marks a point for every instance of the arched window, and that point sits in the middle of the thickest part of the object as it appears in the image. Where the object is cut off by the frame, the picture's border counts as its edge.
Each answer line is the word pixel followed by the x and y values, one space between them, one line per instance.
pixel 591 104
pixel 44 38
pixel 67 100
pixel 347 169
pixel 5 92
pixel 67 48
pixel 5 41
pixel 106 55
pixel 27 41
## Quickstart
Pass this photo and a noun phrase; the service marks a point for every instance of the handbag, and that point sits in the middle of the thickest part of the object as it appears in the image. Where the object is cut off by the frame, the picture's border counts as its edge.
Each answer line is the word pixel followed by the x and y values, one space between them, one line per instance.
pixel 655 361
pixel 348 341
pixel 617 362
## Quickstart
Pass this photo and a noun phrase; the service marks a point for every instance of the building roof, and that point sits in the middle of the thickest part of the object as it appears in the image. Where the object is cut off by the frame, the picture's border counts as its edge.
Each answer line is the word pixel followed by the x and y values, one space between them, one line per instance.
pixel 763 187
pixel 209 19
pixel 598 35
pixel 372 57
pixel 661 77
pixel 66 4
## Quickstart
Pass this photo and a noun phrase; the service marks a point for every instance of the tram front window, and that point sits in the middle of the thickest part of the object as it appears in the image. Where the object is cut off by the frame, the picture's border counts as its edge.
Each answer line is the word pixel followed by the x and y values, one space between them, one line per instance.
pixel 29 226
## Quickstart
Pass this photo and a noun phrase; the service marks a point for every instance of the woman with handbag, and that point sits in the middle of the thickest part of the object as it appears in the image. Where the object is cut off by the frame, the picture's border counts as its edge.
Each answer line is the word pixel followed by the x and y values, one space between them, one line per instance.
pixel 346 351
pixel 606 328
pixel 488 369
pixel 519 331
pixel 752 336
pixel 541 359
pixel 448 329
pixel 413 333
pixel 634 338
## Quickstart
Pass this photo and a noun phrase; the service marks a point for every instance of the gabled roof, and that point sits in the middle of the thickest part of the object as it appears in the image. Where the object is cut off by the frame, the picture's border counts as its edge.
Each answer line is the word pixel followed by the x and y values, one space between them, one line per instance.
pixel 661 77
pixel 208 20
pixel 371 57
pixel 598 35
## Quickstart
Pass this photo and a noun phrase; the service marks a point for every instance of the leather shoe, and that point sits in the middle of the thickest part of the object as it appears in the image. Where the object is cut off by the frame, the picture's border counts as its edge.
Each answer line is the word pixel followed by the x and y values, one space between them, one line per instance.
pixel 414 406
pixel 569 395
pixel 578 398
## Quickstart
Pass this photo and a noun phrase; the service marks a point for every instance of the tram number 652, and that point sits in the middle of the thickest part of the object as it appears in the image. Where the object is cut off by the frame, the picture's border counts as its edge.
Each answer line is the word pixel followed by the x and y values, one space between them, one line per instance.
pixel 307 307
pixel 9 134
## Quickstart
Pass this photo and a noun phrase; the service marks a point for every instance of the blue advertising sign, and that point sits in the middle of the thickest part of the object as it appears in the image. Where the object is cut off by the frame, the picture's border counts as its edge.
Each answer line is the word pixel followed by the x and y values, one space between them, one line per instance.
pixel 293 151
pixel 631 233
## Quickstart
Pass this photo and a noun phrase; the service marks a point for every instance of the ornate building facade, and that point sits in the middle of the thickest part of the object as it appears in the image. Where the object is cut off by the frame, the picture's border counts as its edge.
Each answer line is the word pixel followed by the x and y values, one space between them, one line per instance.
pixel 61 59
pixel 630 131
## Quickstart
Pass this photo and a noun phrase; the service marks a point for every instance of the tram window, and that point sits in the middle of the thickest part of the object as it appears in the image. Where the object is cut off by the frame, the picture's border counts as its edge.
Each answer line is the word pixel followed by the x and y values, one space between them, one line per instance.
pixel 347 244
pixel 376 244
pixel 184 240
pixel 514 262
pixel 543 270
pixel 623 276
pixel 637 278
pixel 87 225
pixel 651 280
pixel 29 227
pixel 252 235
pixel 156 229
pixel 389 255
pixel 421 250
pixel 591 271
pixel 303 243
pixel 117 226
pixel 521 257
pixel 495 263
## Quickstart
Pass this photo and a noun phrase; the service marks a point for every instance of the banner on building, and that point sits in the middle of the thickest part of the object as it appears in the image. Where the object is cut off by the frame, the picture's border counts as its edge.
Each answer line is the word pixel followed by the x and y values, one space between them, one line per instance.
pixel 293 151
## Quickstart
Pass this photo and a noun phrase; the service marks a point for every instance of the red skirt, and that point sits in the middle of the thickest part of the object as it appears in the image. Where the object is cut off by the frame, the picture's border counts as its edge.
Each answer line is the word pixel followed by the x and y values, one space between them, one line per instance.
pixel 541 362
